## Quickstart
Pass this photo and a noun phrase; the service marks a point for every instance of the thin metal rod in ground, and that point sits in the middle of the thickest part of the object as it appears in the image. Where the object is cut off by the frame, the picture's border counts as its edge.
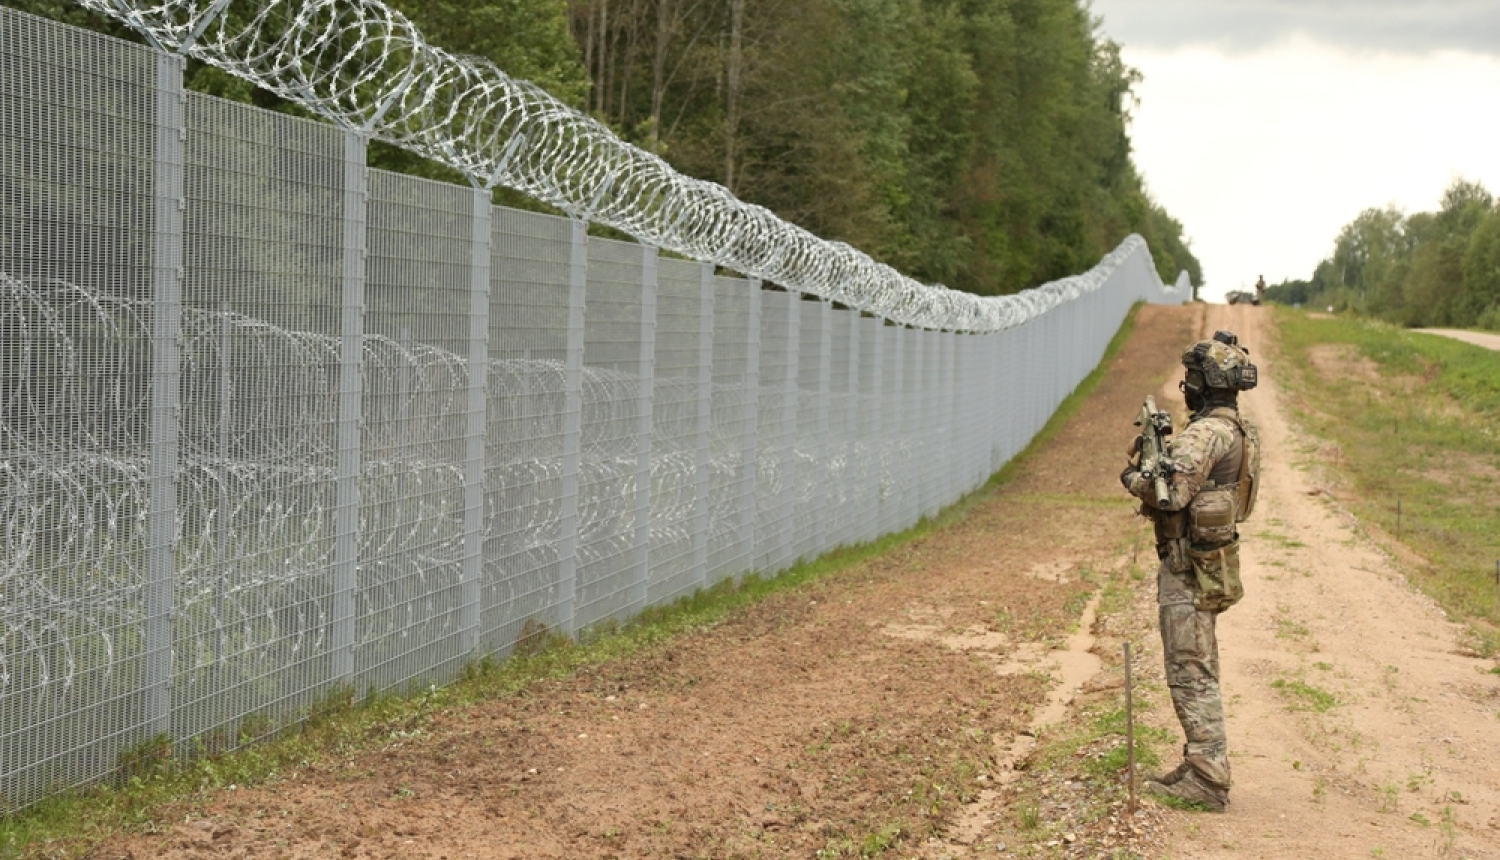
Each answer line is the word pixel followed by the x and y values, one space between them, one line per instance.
pixel 1129 731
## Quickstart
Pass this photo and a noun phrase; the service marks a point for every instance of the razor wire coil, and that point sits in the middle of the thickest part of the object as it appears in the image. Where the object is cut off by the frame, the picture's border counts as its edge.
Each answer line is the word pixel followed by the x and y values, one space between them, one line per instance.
pixel 366 67
pixel 255 500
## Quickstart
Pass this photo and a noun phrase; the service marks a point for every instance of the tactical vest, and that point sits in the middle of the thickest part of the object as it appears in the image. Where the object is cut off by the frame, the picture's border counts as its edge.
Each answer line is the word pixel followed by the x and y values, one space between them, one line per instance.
pixel 1228 495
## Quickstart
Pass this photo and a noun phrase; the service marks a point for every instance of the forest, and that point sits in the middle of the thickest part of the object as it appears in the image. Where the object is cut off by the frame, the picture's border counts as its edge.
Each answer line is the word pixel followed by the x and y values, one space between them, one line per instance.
pixel 983 144
pixel 1425 269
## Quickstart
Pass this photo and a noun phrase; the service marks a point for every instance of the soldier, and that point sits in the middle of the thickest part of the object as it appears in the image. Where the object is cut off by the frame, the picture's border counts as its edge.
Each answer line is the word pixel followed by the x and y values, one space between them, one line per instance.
pixel 1260 289
pixel 1211 470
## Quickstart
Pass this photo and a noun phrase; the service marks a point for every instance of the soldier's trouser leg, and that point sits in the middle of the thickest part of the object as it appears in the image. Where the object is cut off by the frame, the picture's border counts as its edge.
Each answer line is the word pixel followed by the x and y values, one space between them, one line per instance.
pixel 1190 649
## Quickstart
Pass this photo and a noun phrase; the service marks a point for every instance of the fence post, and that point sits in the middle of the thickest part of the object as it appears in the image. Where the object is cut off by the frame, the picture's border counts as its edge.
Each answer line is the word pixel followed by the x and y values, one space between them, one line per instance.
pixel 705 421
pixel 221 520
pixel 641 560
pixel 928 395
pixel 823 511
pixel 567 543
pixel 927 432
pixel 952 442
pixel 987 387
pixel 790 403
pixel 971 364
pixel 877 427
pixel 481 247
pixel 749 457
pixel 166 369
pixel 916 423
pixel 350 407
pixel 994 375
pixel 852 432
pixel 894 407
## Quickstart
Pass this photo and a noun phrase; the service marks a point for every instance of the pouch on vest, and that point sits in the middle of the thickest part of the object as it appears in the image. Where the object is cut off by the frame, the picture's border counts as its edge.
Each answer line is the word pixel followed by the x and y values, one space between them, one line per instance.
pixel 1211 516
pixel 1171 537
pixel 1217 572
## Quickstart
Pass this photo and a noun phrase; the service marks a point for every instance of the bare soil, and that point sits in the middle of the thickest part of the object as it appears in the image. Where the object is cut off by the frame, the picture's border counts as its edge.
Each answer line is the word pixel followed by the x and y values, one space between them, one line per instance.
pixel 904 706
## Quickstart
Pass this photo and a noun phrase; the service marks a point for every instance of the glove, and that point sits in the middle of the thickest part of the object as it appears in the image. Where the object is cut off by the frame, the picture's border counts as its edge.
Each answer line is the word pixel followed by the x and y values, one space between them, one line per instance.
pixel 1128 476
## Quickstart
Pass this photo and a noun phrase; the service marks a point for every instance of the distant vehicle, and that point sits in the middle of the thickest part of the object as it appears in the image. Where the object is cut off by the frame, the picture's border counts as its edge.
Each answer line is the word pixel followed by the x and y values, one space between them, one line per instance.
pixel 1235 297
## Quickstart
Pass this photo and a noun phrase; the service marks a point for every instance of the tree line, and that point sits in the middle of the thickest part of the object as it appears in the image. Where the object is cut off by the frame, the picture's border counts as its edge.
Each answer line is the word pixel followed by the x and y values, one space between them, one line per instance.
pixel 978 143
pixel 1437 268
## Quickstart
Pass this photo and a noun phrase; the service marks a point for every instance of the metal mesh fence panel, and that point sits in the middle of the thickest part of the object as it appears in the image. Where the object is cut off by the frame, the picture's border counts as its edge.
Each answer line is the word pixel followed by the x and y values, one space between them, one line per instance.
pixel 930 424
pixel 948 392
pixel 616 398
pixel 868 437
pixel 838 444
pixel 255 587
pixel 414 432
pixel 532 432
pixel 732 443
pixel 78 128
pixel 975 426
pixel 274 426
pixel 809 473
pixel 906 469
pixel 776 425
pixel 675 431
pixel 889 449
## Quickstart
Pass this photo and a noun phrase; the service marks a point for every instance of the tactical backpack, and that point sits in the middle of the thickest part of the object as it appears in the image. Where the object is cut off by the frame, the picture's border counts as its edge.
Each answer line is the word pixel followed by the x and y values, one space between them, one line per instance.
pixel 1249 484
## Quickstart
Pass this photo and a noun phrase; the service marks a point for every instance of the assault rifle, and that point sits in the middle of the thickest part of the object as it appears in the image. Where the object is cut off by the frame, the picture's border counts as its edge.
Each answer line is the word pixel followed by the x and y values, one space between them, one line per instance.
pixel 1155 426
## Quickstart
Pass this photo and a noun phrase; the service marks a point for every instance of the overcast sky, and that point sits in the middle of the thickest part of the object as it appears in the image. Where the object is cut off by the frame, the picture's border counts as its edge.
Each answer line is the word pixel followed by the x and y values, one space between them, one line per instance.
pixel 1264 126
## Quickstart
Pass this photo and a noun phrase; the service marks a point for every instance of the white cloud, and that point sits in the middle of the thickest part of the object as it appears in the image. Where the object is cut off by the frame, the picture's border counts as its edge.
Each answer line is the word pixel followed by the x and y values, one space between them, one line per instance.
pixel 1263 156
pixel 1400 26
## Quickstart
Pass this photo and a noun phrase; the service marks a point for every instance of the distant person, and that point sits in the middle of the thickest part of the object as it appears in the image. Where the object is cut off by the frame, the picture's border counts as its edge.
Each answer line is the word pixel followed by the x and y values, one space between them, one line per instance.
pixel 1260 289
pixel 1211 474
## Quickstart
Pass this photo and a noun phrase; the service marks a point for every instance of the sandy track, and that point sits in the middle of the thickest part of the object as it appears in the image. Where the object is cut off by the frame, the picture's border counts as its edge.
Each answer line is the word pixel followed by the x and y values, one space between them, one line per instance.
pixel 1405 764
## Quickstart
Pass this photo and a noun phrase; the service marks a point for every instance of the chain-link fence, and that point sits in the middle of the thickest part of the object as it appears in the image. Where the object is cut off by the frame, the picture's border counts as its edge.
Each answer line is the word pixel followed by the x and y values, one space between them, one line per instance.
pixel 275 425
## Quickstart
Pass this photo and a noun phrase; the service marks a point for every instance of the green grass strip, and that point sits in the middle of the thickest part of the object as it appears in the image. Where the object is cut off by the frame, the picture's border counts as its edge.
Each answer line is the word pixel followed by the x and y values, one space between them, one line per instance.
pixel 1415 419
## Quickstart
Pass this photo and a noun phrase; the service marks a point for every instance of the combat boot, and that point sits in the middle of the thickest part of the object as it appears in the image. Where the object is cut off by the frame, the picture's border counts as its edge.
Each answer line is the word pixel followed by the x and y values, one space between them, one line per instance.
pixel 1191 786
pixel 1171 777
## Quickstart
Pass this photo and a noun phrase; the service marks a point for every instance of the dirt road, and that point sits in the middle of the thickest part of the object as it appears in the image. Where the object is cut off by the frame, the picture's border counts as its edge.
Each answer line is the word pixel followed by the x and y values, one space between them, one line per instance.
pixel 1359 726
pixel 904 707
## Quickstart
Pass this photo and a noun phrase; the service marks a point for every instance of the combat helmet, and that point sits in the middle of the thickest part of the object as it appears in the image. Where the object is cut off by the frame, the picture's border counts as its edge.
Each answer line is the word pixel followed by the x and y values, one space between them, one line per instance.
pixel 1220 365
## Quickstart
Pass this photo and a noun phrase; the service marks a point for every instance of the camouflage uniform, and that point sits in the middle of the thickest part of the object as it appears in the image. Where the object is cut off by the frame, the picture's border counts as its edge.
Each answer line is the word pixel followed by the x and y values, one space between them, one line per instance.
pixel 1208 449
pixel 1199 572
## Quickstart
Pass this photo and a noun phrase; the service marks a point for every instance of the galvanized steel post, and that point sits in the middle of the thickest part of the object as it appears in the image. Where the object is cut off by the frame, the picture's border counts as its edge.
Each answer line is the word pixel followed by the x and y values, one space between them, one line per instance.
pixel 350 408
pixel 852 431
pixel 877 427
pixel 702 429
pixel 641 556
pixel 748 464
pixel 481 249
pixel 567 550
pixel 169 203
pixel 824 511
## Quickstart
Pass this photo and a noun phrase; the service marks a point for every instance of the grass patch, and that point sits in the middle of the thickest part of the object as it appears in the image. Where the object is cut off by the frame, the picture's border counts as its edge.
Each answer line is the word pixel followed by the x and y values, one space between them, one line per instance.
pixel 1114 760
pixel 1181 803
pixel 1414 425
pixel 1303 696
